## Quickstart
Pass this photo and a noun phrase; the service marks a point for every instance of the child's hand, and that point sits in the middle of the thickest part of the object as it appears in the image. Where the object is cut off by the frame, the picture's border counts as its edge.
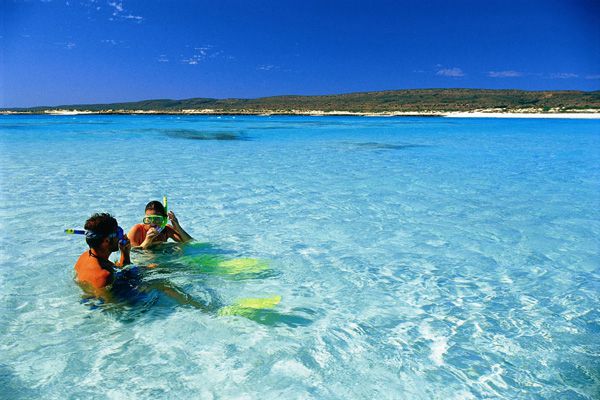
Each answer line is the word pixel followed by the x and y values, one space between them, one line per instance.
pixel 173 218
pixel 151 234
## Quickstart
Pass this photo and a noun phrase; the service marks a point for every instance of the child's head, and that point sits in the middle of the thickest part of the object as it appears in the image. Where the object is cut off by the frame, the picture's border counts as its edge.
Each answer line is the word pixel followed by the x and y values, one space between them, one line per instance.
pixel 155 208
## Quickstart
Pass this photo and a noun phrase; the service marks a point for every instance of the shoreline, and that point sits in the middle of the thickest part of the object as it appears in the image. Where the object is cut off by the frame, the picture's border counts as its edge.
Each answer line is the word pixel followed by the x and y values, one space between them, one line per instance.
pixel 557 115
pixel 495 113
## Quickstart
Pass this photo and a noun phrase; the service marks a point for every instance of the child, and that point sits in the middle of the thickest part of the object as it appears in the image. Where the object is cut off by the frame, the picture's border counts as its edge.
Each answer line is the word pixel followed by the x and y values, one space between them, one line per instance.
pixel 154 228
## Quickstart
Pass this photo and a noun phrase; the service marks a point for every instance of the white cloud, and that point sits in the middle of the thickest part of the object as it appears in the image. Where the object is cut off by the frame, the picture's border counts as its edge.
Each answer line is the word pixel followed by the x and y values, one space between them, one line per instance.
pixel 66 45
pixel 451 72
pixel 203 53
pixel 563 75
pixel 267 67
pixel 193 60
pixel 592 77
pixel 163 58
pixel 504 74
pixel 119 12
pixel 118 7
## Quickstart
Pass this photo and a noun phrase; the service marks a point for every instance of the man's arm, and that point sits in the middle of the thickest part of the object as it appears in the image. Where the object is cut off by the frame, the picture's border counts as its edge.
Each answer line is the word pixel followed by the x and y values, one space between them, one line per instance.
pixel 125 247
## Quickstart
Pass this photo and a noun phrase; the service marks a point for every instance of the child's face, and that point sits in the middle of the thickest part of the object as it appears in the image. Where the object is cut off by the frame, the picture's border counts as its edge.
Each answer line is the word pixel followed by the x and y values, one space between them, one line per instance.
pixel 153 218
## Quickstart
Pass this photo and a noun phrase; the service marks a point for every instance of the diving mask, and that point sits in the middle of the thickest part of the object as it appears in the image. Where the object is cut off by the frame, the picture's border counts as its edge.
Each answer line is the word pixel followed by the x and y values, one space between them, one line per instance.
pixel 156 220
pixel 118 234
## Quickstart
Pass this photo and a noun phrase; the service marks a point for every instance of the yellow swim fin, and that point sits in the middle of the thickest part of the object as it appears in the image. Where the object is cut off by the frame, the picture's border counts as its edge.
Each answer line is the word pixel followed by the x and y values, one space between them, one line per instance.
pixel 242 265
pixel 246 307
pixel 217 265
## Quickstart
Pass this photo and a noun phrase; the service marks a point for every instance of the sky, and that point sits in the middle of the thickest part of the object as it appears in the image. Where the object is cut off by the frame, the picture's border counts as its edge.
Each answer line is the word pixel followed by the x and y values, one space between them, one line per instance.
pixel 55 52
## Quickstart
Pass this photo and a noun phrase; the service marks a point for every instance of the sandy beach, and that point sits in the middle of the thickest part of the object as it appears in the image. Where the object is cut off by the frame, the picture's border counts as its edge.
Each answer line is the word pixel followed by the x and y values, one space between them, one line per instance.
pixel 479 114
pixel 593 114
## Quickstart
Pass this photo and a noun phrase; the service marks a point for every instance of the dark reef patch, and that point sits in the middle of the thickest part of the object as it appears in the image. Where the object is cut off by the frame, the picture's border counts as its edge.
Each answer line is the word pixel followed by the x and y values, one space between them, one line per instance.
pixel 384 146
pixel 193 134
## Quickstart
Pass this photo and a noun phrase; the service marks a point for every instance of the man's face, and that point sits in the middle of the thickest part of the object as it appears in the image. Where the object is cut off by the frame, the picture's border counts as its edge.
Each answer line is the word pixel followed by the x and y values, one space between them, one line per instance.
pixel 110 244
pixel 114 244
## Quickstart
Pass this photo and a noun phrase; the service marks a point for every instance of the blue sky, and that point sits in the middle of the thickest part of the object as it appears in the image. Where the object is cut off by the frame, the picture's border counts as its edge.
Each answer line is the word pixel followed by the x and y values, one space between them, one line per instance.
pixel 90 51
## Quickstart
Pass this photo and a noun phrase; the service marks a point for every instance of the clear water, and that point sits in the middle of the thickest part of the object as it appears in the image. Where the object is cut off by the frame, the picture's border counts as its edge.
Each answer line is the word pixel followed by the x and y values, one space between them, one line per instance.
pixel 417 258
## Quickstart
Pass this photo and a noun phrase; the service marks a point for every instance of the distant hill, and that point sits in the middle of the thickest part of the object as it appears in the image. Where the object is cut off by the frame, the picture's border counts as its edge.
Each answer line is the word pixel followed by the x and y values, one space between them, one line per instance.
pixel 393 101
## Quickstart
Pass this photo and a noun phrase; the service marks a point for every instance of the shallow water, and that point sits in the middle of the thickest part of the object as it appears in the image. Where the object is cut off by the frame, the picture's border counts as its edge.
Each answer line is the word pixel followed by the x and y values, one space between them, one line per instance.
pixel 418 258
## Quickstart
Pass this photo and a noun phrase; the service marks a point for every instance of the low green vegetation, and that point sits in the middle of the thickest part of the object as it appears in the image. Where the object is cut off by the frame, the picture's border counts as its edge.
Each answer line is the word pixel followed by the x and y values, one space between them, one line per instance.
pixel 398 101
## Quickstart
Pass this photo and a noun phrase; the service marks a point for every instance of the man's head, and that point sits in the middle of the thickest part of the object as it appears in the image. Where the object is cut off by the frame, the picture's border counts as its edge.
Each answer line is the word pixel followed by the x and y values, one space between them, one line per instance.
pixel 102 232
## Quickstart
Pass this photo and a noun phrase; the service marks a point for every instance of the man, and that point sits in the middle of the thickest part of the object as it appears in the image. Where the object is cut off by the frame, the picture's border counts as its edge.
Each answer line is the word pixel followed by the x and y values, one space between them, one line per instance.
pixel 104 236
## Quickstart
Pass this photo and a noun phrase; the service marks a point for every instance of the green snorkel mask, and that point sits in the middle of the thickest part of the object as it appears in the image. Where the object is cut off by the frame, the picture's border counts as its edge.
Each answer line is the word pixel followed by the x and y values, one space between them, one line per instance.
pixel 158 221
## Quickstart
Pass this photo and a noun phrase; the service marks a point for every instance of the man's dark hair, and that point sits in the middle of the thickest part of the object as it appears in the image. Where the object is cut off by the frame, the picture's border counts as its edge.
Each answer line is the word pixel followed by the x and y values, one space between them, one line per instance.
pixel 98 227
pixel 157 207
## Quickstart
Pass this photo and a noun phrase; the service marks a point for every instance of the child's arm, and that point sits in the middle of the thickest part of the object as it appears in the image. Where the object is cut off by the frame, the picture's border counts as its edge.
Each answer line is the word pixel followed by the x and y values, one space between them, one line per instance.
pixel 180 234
pixel 139 239
pixel 133 236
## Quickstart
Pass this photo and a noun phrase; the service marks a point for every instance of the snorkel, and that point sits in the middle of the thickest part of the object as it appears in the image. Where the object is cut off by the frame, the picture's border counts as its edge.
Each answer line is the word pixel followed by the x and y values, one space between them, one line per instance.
pixel 166 213
pixel 91 234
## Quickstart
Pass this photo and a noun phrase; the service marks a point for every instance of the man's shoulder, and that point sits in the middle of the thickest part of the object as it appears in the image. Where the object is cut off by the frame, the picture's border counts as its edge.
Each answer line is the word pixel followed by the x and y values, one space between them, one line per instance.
pixel 86 260
pixel 90 271
pixel 84 257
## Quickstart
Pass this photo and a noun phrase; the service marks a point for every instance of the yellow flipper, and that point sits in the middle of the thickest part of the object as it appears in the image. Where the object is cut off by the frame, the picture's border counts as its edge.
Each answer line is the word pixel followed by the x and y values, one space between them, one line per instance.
pixel 242 265
pixel 269 302
pixel 246 307
pixel 217 265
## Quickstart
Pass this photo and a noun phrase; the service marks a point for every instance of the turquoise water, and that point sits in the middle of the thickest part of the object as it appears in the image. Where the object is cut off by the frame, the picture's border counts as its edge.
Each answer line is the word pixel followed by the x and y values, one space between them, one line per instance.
pixel 417 258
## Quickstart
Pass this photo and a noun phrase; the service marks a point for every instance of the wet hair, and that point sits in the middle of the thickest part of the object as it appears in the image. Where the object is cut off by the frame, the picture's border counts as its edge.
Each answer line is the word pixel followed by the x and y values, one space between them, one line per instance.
pixel 157 207
pixel 98 227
